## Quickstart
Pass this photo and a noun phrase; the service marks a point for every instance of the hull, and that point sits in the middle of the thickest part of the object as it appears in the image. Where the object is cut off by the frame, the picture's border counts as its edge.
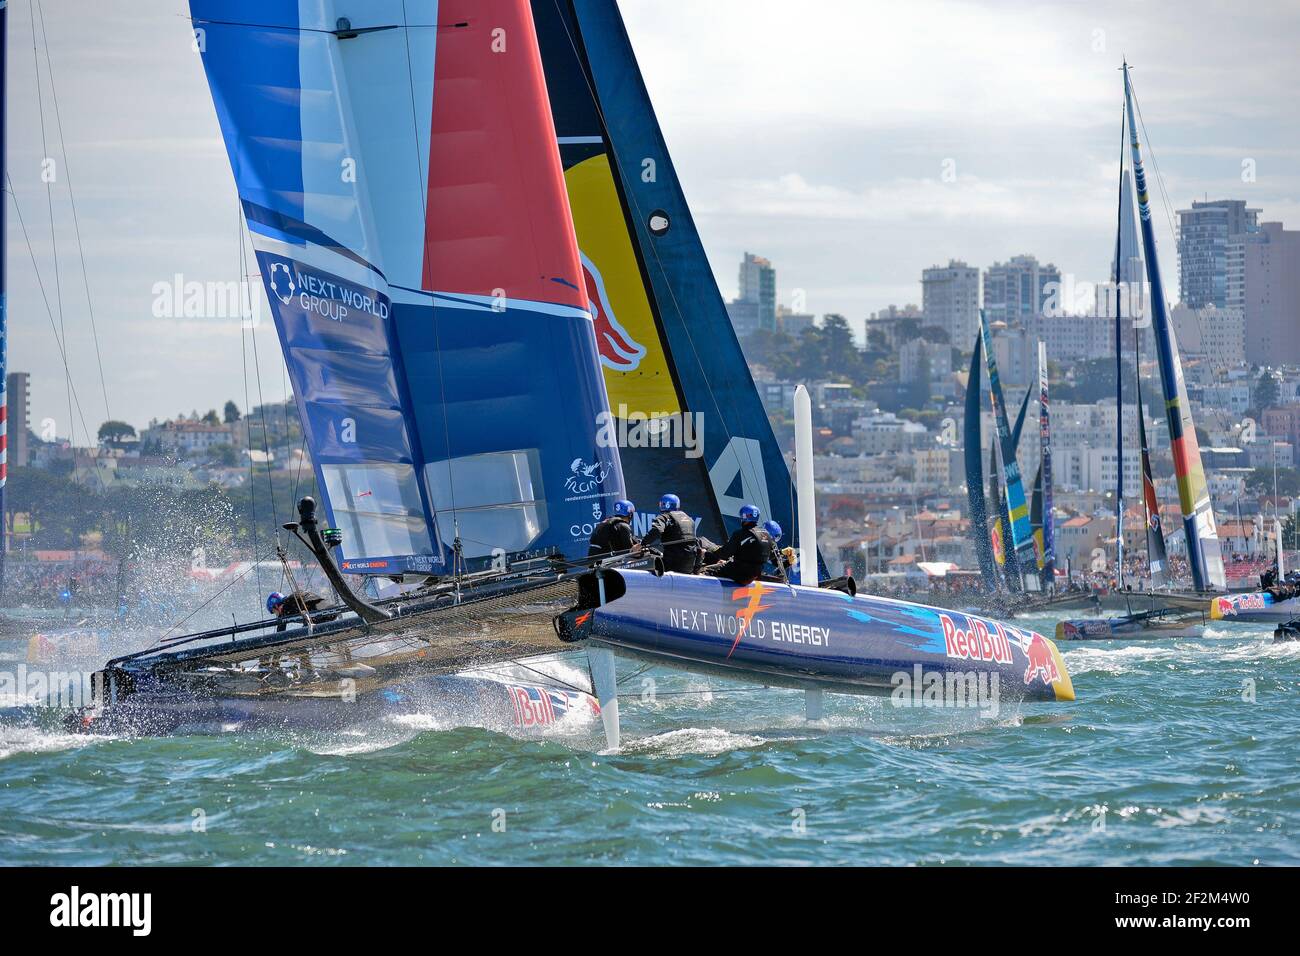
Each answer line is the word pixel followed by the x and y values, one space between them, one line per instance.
pixel 450 700
pixel 793 636
pixel 1151 625
pixel 1255 607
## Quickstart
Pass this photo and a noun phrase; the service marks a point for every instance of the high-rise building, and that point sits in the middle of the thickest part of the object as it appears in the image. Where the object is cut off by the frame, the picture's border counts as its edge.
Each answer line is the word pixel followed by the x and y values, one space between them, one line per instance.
pixel 1203 235
pixel 1216 335
pixel 1263 283
pixel 950 299
pixel 758 284
pixel 1016 289
pixel 744 317
pixel 18 393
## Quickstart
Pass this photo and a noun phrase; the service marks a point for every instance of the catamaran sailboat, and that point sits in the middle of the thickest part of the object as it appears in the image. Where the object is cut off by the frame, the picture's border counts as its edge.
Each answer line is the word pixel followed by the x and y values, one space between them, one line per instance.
pixel 482 267
pixel 1168 614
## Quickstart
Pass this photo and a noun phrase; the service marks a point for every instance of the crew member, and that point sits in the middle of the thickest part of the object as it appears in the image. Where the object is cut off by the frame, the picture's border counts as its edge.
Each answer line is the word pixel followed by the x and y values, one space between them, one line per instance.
pixel 781 564
pixel 283 607
pixel 673 533
pixel 614 534
pixel 742 558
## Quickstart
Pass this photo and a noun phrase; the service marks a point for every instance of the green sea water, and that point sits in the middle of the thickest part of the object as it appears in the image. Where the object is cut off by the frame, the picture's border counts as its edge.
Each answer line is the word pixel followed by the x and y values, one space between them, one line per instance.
pixel 1176 752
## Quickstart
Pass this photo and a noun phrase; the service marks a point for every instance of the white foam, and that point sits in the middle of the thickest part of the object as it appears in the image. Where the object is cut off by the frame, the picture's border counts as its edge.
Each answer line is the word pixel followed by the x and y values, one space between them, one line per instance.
pixel 16 740
pixel 708 742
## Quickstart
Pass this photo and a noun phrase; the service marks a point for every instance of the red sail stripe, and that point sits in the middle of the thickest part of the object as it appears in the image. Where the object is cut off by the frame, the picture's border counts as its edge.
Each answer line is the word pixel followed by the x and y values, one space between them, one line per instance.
pixel 498 214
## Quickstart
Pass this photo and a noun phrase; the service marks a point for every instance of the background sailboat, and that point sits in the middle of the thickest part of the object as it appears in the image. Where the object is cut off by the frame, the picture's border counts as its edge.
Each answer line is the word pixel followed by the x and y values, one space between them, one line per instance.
pixel 1204 555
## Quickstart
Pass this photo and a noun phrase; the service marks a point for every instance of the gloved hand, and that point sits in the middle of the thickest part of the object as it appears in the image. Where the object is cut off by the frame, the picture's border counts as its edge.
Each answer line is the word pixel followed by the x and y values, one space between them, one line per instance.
pixel 788 554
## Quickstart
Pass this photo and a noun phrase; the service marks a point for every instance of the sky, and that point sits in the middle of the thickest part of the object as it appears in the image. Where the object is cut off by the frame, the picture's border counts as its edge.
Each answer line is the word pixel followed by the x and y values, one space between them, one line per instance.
pixel 852 143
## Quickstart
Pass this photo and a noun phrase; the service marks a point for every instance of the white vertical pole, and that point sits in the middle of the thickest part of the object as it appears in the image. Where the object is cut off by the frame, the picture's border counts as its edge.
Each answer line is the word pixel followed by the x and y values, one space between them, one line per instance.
pixel 803 466
pixel 1277 537
pixel 605 683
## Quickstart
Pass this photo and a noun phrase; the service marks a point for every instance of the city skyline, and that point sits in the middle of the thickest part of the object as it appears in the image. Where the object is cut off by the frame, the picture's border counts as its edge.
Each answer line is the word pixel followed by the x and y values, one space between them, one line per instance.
pixel 846 195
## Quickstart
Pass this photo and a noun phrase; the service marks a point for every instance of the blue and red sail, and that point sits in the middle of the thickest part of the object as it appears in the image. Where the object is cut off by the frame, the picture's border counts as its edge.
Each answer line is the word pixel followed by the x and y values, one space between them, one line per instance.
pixel 397 168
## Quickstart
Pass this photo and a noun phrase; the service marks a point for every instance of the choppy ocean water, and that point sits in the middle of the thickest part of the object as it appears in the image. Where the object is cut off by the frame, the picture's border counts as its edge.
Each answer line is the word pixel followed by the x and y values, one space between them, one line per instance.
pixel 1176 752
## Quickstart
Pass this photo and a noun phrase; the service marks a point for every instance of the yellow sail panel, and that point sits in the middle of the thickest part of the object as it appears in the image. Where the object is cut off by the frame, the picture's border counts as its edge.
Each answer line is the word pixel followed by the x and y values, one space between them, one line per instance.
pixel 631 353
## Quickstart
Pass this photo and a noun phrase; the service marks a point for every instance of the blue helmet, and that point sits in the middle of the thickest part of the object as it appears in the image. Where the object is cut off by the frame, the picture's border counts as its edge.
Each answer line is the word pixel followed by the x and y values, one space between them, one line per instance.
pixel 669 502
pixel 772 528
pixel 749 514
pixel 273 601
pixel 623 508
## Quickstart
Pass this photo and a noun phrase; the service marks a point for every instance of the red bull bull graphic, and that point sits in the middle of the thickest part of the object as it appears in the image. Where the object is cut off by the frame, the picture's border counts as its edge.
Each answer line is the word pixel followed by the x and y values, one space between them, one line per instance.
pixel 1042 661
pixel 631 352
pixel 794 636
pixel 618 350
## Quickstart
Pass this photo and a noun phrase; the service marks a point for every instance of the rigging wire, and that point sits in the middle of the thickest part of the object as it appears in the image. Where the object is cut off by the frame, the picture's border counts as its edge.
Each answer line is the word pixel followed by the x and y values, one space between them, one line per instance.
pixel 248 416
pixel 49 311
pixel 54 245
pixel 458 561
pixel 1160 181
pixel 257 369
pixel 72 203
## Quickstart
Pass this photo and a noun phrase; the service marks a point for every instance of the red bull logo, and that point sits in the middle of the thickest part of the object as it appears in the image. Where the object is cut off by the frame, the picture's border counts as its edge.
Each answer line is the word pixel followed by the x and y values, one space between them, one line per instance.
pixel 977 642
pixel 618 350
pixel 1041 662
pixel 544 706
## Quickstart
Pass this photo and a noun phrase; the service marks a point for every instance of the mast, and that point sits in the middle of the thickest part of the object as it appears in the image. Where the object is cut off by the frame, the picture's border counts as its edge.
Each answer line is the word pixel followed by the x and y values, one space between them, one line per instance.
pixel 1204 555
pixel 1045 443
pixel 1116 272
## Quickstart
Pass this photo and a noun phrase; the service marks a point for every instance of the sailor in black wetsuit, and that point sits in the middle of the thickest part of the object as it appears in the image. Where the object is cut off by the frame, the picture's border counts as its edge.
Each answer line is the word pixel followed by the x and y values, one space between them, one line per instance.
pixel 673 533
pixel 614 534
pixel 282 607
pixel 742 558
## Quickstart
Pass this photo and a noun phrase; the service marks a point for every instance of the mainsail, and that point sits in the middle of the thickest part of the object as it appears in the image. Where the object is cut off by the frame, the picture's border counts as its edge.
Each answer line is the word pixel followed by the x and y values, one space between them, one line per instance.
pixel 1020 553
pixel 397 169
pixel 1156 559
pixel 1204 555
pixel 671 361
pixel 973 449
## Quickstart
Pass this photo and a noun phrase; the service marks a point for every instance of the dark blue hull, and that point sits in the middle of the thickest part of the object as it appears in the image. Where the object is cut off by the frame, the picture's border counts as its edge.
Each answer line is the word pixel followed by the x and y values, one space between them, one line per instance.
pixel 805 637
pixel 454 699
